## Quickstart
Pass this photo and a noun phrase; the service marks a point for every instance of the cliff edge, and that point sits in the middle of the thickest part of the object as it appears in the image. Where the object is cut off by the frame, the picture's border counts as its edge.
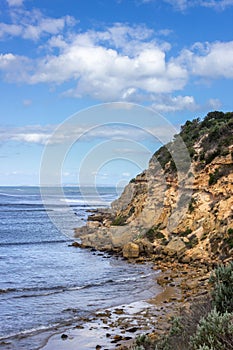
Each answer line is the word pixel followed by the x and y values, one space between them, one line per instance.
pixel 181 207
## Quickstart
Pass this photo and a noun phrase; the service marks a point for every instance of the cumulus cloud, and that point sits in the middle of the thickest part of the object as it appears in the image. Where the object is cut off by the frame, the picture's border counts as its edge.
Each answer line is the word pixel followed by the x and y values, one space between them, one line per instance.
pixel 167 103
pixel 33 24
pixel 209 60
pixel 117 63
pixel 170 104
pixel 120 63
pixel 15 68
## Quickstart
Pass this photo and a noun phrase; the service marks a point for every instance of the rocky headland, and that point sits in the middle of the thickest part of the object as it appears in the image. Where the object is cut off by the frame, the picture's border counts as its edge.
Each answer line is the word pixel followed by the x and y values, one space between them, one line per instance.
pixel 178 213
pixel 178 209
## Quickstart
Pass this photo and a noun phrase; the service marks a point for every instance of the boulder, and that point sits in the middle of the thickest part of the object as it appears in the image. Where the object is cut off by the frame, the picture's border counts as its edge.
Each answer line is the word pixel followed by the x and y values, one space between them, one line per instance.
pixel 93 224
pixel 130 250
pixel 145 247
pixel 175 247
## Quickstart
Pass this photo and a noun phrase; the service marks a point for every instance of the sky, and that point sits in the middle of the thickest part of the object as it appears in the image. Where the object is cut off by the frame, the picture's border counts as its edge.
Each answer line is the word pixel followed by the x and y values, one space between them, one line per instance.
pixel 117 77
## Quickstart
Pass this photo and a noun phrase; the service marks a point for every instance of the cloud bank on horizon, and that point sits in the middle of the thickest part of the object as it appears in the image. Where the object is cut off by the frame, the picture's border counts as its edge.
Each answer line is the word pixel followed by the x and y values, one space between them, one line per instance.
pixel 160 54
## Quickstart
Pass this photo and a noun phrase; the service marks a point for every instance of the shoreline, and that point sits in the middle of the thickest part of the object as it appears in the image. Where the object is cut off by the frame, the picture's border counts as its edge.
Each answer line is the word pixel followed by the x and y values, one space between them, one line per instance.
pixel 38 339
pixel 108 327
pixel 117 327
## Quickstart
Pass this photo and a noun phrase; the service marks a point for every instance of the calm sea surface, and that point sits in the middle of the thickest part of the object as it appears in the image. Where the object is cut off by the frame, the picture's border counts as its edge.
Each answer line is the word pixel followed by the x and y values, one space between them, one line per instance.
pixel 44 282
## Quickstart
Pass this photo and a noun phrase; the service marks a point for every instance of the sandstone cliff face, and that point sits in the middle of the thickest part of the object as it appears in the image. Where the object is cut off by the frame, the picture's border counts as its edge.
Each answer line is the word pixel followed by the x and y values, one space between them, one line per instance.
pixel 184 213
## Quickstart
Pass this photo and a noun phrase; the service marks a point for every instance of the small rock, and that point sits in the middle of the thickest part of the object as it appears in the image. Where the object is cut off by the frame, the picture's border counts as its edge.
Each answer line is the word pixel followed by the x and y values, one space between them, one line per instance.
pixel 79 327
pixel 117 337
pixel 64 336
pixel 118 311
pixel 76 245
pixel 132 330
pixel 127 338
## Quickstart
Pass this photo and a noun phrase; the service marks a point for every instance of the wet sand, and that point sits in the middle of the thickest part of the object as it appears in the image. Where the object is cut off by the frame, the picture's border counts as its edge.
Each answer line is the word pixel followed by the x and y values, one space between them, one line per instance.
pixel 107 328
pixel 116 326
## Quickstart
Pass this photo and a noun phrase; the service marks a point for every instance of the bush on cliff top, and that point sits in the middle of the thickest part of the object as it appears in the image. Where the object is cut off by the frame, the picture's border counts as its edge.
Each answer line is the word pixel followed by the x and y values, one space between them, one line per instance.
pixel 215 133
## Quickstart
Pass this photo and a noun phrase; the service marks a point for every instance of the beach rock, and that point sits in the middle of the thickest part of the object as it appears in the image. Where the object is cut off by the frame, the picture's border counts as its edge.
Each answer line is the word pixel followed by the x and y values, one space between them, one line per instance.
pixel 117 337
pixel 175 247
pixel 132 330
pixel 64 336
pixel 118 311
pixel 131 250
pixel 77 245
pixel 145 247
pixel 93 224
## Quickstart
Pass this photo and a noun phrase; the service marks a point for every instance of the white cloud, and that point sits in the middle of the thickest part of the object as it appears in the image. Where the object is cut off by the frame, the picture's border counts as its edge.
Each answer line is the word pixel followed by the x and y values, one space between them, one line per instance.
pixel 217 5
pixel 6 60
pixel 209 60
pixel 118 63
pixel 28 134
pixel 33 24
pixel 10 29
pixel 15 68
pixel 167 103
pixel 43 135
pixel 27 102
pixel 182 5
pixel 214 103
pixel 15 2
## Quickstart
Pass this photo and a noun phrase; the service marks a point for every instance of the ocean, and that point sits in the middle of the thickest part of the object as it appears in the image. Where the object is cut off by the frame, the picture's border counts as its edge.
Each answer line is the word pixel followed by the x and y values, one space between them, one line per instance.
pixel 46 284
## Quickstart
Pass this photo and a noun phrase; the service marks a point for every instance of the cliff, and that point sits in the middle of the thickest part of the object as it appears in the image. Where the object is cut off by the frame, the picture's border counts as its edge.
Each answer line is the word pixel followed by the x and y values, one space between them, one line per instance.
pixel 181 207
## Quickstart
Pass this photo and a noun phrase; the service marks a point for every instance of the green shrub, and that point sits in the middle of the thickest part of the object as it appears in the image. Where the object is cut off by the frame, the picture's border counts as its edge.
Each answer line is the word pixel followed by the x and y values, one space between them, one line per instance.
pixel 222 293
pixel 191 207
pixel 222 171
pixel 229 239
pixel 193 241
pixel 119 221
pixel 211 155
pixel 153 234
pixel 142 342
pixel 150 234
pixel 214 332
pixel 213 177
pixel 186 232
pixel 177 326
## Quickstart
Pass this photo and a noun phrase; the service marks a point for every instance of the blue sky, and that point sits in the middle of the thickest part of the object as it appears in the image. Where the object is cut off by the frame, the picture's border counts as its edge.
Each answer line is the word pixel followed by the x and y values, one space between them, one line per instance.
pixel 58 58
